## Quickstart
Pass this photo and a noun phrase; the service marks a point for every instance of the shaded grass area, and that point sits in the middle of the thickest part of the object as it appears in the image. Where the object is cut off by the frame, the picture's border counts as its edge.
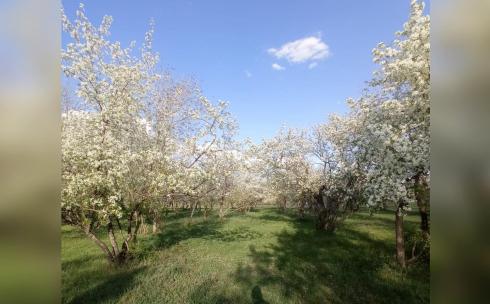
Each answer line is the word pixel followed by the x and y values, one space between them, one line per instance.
pixel 260 257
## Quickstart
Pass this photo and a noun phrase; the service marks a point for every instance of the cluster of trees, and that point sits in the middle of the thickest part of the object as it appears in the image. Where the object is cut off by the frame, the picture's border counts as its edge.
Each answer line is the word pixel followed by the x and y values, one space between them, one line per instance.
pixel 136 143
pixel 377 155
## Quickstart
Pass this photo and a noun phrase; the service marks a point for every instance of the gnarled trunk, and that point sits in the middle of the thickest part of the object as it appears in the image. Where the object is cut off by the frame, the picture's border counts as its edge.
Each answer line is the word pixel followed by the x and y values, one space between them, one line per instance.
pixel 113 254
pixel 326 221
pixel 119 256
pixel 110 257
pixel 112 239
pixel 327 216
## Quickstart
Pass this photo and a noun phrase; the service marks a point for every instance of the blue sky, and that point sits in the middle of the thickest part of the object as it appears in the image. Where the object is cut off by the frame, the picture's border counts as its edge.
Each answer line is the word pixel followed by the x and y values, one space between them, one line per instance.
pixel 226 46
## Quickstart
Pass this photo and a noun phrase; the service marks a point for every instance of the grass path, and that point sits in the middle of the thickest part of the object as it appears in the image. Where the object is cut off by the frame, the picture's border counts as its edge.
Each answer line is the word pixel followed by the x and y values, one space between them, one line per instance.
pixel 260 257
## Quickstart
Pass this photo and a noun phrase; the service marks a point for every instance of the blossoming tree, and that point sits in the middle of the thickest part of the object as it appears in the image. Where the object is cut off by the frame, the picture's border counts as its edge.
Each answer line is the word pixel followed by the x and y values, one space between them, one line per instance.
pixel 394 140
pixel 137 143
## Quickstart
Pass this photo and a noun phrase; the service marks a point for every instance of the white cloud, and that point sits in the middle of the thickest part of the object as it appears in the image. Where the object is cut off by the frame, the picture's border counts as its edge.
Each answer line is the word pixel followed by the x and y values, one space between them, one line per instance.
pixel 248 74
pixel 302 50
pixel 278 67
pixel 312 65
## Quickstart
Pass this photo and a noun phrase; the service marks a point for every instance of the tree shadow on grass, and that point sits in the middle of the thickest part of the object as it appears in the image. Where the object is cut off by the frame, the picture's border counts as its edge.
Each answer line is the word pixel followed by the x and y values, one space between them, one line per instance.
pixel 209 292
pixel 309 266
pixel 210 229
pixel 234 235
pixel 110 289
pixel 256 295
pixel 176 232
pixel 276 217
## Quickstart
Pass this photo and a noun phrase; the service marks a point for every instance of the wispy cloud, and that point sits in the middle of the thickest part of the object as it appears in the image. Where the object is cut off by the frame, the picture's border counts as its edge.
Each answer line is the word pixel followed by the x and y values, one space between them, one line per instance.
pixel 248 74
pixel 308 49
pixel 278 67
pixel 312 65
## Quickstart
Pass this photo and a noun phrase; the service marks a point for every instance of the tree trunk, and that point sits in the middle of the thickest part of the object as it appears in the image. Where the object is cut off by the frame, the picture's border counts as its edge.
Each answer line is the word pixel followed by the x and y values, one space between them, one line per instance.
pixel 139 221
pixel 282 204
pixel 421 189
pixel 221 208
pixel 326 217
pixel 143 225
pixel 193 209
pixel 130 223
pixel 400 241
pixel 301 209
pixel 101 245
pixel 112 239
pixel 424 218
pixel 156 223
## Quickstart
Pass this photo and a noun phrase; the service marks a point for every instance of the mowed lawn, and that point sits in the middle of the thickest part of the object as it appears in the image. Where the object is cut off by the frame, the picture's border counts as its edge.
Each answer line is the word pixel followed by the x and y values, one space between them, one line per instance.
pixel 259 257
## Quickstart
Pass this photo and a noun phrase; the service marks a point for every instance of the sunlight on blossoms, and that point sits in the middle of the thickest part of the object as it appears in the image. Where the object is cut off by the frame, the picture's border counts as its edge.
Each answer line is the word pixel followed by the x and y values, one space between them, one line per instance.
pixel 149 176
pixel 460 145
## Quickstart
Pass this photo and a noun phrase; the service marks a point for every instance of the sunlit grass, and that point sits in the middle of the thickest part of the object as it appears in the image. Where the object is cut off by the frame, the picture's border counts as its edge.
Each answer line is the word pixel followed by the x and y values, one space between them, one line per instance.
pixel 259 257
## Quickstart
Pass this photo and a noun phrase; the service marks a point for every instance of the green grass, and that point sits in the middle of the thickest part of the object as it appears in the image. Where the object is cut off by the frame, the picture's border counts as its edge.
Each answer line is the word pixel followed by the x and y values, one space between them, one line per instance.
pixel 259 257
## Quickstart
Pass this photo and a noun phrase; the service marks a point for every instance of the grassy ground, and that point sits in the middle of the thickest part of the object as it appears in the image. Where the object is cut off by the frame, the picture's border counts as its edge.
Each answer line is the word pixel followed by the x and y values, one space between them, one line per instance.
pixel 260 257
